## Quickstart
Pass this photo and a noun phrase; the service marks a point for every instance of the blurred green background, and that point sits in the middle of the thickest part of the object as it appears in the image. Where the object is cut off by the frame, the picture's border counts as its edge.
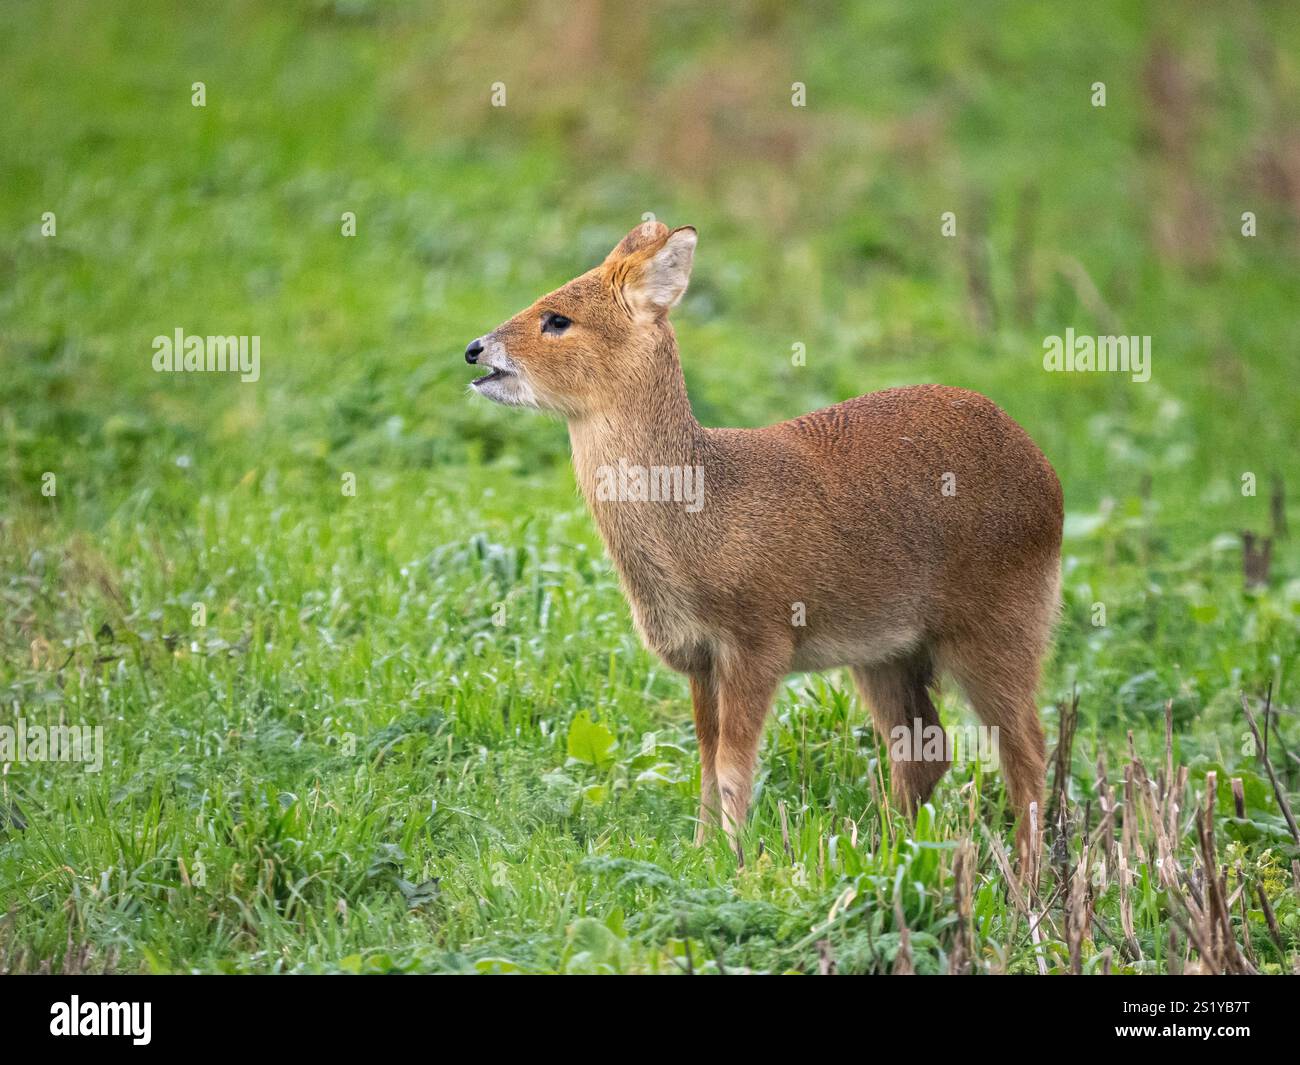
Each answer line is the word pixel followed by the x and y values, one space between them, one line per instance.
pixel 819 225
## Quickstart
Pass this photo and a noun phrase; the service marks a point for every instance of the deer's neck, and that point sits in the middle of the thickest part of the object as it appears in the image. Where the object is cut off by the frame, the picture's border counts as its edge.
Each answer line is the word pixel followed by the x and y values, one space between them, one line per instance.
pixel 650 424
pixel 651 429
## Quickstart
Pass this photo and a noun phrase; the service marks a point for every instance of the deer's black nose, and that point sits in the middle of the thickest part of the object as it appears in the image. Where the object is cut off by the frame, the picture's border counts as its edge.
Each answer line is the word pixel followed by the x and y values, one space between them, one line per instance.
pixel 474 350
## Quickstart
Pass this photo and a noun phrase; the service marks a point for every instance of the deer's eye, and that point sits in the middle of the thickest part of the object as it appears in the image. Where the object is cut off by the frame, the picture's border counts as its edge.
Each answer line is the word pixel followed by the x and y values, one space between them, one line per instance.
pixel 555 324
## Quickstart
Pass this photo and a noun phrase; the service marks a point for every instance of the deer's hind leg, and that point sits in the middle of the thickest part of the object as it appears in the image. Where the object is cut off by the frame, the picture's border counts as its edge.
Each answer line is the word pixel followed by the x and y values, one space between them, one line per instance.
pixel 897 692
pixel 998 669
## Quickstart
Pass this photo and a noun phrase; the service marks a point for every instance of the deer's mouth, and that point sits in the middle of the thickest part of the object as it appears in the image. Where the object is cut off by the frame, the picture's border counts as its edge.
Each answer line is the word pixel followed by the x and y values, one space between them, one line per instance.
pixel 495 375
pixel 504 382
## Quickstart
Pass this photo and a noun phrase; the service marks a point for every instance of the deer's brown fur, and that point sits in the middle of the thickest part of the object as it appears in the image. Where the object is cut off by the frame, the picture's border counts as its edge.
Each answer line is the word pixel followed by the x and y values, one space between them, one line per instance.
pixel 839 519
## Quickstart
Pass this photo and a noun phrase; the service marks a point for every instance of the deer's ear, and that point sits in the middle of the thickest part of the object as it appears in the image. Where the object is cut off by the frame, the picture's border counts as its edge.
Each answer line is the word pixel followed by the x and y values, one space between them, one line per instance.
pixel 656 277
pixel 646 235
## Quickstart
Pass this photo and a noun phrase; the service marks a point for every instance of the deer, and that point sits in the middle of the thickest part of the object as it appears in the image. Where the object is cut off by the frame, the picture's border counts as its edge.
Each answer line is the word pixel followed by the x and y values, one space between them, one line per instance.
pixel 907 534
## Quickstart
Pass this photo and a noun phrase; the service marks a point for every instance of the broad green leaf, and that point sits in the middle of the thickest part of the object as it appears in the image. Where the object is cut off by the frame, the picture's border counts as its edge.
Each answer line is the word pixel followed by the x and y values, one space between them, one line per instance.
pixel 590 742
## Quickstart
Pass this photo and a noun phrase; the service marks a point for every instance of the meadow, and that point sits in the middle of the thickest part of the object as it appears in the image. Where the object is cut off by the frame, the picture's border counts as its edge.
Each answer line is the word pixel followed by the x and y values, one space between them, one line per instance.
pixel 370 697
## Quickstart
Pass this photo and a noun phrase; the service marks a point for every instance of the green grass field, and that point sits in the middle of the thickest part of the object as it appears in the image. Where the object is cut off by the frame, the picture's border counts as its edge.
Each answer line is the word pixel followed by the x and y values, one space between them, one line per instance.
pixel 412 728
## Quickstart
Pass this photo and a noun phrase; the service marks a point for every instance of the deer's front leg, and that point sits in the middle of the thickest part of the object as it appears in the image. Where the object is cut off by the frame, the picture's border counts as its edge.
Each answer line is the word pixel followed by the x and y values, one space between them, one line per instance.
pixel 704 700
pixel 745 692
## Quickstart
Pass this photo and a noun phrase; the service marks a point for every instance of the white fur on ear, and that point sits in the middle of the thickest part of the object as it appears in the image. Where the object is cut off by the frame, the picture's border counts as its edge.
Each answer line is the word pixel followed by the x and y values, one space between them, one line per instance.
pixel 662 281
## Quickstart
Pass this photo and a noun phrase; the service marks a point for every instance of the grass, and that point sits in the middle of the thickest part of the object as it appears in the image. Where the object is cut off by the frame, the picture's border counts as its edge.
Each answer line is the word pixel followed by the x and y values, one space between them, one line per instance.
pixel 415 730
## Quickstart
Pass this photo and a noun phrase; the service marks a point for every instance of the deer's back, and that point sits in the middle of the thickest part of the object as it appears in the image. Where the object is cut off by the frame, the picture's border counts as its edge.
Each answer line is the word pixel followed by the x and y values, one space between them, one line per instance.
pixel 901 509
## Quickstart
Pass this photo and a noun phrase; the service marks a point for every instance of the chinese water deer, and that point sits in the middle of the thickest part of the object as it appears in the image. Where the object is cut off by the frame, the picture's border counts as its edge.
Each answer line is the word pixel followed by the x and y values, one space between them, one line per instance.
pixel 902 534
